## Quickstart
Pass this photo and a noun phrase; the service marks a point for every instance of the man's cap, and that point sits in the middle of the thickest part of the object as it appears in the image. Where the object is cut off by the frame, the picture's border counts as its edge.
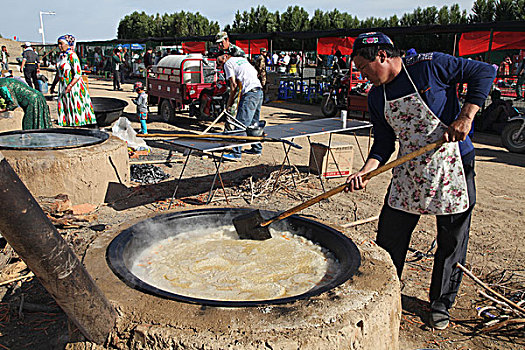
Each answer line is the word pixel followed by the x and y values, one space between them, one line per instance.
pixel 220 37
pixel 26 44
pixel 263 50
pixel 372 38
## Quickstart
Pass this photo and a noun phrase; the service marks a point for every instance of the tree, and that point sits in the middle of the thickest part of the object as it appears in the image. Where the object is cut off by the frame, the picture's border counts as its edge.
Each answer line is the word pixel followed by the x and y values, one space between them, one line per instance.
pixel 483 11
pixel 136 25
pixel 505 10
pixel 520 5
pixel 294 19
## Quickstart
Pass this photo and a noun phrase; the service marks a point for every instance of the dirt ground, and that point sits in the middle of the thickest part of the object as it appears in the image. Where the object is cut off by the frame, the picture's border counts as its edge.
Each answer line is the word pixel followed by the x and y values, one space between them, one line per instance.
pixel 496 251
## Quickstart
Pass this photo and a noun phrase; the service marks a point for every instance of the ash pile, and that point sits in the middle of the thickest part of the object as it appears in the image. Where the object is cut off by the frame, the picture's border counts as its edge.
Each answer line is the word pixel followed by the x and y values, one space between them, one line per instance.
pixel 147 174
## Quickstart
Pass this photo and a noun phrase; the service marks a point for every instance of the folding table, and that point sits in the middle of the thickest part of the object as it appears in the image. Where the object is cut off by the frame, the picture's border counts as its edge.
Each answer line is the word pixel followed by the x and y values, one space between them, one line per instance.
pixel 289 131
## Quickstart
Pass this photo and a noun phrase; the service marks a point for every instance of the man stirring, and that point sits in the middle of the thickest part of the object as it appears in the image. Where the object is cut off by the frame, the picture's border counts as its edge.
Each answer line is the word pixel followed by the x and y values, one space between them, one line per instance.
pixel 414 99
pixel 242 77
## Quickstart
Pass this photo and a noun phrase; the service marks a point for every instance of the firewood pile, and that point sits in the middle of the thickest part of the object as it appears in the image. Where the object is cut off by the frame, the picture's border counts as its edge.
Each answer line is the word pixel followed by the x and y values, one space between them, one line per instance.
pixel 501 306
pixel 63 214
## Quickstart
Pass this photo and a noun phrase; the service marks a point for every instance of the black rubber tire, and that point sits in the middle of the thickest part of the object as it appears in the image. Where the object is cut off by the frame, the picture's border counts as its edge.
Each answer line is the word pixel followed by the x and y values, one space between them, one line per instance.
pixel 511 141
pixel 329 108
pixel 166 111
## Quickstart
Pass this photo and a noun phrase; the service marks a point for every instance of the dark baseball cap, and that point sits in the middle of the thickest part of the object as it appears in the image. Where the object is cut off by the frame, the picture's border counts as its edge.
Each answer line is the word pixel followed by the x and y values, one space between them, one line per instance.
pixel 372 38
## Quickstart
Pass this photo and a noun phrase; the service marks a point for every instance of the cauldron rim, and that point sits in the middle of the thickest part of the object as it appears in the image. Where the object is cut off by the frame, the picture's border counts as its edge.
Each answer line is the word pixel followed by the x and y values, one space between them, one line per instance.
pixel 99 102
pixel 116 249
pixel 100 135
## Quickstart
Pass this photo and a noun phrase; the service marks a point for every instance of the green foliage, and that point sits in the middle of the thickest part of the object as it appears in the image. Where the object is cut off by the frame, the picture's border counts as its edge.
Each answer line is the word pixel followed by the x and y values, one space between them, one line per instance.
pixel 261 20
pixel 140 25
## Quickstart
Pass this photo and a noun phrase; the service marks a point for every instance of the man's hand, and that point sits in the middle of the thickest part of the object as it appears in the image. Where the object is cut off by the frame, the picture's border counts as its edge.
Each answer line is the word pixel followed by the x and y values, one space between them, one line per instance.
pixel 459 129
pixel 355 181
pixel 230 110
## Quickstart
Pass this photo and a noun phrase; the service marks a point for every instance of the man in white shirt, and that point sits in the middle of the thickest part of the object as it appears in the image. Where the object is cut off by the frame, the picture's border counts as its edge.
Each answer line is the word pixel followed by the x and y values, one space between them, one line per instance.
pixel 242 76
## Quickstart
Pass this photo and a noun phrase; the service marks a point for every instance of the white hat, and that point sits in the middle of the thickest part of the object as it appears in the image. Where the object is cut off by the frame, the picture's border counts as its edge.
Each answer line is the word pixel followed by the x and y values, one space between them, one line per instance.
pixel 220 36
pixel 27 44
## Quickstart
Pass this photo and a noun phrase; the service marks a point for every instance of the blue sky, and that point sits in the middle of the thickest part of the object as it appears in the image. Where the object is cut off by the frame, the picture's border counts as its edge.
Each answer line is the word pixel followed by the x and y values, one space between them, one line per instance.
pixel 98 19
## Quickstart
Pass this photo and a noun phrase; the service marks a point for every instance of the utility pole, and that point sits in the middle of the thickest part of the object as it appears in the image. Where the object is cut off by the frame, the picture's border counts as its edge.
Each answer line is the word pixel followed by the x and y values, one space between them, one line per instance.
pixel 41 29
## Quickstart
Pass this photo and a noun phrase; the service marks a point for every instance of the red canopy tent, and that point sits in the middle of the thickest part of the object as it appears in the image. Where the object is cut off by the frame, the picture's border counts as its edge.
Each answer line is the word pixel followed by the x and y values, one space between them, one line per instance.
pixel 252 47
pixel 479 42
pixel 329 45
pixel 194 47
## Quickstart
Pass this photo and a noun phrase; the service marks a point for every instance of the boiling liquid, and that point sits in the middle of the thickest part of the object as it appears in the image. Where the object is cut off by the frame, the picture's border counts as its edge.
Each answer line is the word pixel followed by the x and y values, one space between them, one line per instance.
pixel 219 266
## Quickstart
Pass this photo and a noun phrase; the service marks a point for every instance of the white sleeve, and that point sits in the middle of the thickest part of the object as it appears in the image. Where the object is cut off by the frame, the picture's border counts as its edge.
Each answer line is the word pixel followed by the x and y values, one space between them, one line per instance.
pixel 228 71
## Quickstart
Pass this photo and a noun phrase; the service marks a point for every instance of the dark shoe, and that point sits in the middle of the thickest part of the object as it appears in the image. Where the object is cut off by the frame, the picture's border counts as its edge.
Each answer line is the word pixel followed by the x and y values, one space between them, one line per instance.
pixel 252 152
pixel 231 156
pixel 439 319
pixel 439 316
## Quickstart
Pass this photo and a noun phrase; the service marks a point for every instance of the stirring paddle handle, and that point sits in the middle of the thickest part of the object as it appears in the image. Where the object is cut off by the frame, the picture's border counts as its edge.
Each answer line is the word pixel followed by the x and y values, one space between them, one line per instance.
pixel 403 159
pixel 367 176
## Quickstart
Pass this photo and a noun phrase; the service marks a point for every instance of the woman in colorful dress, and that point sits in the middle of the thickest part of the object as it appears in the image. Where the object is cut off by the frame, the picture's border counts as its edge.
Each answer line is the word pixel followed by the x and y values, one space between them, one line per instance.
pixel 18 94
pixel 74 103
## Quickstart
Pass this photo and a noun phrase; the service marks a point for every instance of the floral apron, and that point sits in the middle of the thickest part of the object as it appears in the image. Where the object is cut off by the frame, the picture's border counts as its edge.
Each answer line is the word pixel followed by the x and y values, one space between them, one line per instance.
pixel 433 183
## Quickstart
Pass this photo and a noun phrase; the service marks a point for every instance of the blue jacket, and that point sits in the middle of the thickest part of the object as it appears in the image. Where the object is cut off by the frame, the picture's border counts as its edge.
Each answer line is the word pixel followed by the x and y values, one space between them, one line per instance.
pixel 435 76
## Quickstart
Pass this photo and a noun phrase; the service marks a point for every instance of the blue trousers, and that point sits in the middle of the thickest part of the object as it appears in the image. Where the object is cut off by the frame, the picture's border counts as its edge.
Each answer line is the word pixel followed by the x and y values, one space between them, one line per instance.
pixel 248 113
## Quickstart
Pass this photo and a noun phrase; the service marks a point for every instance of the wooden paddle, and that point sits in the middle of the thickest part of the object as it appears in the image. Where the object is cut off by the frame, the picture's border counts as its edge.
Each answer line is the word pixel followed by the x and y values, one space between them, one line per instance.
pixel 252 226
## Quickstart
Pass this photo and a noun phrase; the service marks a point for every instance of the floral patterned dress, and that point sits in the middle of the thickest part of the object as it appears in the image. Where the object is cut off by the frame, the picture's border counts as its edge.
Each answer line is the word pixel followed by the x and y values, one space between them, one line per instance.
pixel 18 94
pixel 433 183
pixel 74 107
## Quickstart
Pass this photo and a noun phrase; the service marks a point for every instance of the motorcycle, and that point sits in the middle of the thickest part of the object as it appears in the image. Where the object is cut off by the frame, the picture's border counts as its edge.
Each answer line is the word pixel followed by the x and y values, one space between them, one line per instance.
pixel 336 97
pixel 513 134
pixel 211 101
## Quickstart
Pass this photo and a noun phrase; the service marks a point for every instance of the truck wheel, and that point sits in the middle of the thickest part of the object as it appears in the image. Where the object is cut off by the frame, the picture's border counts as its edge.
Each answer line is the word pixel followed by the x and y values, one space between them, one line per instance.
pixel 511 139
pixel 166 111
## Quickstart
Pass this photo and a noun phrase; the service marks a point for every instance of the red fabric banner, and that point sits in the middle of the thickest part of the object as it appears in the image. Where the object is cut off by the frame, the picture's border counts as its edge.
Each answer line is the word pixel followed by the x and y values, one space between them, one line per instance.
pixel 478 42
pixel 194 47
pixel 329 45
pixel 252 47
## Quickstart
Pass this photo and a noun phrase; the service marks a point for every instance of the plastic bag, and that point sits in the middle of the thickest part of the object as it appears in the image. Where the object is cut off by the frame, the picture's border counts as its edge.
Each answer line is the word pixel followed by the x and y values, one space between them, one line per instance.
pixel 123 130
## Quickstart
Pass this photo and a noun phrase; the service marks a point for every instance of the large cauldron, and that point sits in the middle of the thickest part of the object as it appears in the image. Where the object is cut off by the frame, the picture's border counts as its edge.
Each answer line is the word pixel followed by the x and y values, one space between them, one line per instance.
pixel 107 109
pixel 124 249
pixel 51 139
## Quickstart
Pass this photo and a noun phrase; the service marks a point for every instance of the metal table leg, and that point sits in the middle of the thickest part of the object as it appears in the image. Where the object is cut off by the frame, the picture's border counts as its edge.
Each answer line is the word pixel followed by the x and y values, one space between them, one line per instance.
pixel 180 176
pixel 290 165
pixel 320 176
pixel 217 174
pixel 286 151
pixel 332 154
